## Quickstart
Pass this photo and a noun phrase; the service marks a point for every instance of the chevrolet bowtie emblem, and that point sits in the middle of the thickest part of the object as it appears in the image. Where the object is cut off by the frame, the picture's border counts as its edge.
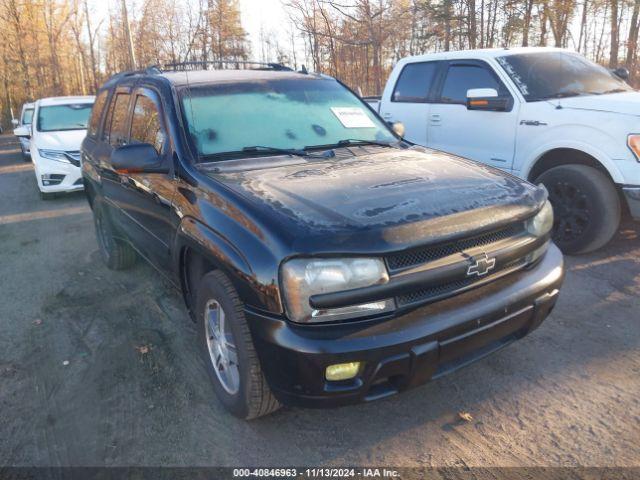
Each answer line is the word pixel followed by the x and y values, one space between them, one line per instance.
pixel 481 265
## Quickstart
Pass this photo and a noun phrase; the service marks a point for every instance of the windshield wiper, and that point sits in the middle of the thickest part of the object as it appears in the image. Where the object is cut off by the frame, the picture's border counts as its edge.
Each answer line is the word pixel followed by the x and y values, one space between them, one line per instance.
pixel 286 151
pixel 614 90
pixel 351 141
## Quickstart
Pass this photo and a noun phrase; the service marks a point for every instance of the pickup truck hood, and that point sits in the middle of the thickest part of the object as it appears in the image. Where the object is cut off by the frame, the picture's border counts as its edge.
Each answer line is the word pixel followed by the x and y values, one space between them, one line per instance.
pixel 403 194
pixel 68 140
pixel 627 103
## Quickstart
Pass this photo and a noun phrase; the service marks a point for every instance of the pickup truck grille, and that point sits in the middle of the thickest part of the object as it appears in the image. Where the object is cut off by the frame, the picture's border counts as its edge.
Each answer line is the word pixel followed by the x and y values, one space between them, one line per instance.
pixel 401 261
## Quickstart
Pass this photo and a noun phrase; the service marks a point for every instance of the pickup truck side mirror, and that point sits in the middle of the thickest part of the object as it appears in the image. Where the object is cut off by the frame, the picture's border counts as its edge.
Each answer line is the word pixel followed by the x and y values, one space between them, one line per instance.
pixel 486 99
pixel 22 132
pixel 621 72
pixel 15 122
pixel 138 158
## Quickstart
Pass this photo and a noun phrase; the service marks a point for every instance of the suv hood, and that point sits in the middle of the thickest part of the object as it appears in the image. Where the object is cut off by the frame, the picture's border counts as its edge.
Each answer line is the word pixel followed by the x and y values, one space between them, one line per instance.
pixel 67 140
pixel 627 103
pixel 404 195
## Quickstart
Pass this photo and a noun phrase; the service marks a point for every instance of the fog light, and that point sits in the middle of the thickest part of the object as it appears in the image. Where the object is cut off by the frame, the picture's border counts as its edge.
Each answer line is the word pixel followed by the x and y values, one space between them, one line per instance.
pixel 342 371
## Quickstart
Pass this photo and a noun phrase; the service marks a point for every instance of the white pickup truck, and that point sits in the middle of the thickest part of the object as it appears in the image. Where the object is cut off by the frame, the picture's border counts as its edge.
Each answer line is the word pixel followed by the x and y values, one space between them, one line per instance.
pixel 544 114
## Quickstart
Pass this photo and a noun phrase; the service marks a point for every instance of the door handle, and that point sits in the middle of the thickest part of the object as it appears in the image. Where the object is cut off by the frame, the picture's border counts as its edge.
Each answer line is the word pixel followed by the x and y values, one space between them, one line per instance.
pixel 435 119
pixel 386 116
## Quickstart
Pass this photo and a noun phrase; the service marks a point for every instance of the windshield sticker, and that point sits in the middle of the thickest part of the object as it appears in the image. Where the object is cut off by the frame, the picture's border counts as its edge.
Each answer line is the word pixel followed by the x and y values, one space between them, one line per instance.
pixel 352 117
pixel 522 86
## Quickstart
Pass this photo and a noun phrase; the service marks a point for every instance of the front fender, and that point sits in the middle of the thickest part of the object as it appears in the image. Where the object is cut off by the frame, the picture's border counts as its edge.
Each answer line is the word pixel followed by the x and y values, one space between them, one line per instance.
pixel 256 287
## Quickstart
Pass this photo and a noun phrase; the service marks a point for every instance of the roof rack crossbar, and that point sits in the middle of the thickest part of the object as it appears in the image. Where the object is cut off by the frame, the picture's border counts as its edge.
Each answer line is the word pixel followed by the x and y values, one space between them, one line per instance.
pixel 178 66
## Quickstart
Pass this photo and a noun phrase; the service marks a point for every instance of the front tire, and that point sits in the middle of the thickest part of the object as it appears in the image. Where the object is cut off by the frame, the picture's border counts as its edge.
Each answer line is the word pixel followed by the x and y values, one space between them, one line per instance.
pixel 116 254
pixel 227 349
pixel 586 207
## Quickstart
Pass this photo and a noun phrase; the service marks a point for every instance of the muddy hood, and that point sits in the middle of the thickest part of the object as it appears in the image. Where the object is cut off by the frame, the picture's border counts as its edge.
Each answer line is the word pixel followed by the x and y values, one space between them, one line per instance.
pixel 404 195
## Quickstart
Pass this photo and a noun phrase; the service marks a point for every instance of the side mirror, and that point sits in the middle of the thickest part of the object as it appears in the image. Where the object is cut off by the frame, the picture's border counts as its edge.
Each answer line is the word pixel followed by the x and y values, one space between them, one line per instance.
pixel 137 158
pixel 622 73
pixel 22 132
pixel 398 128
pixel 486 99
pixel 15 122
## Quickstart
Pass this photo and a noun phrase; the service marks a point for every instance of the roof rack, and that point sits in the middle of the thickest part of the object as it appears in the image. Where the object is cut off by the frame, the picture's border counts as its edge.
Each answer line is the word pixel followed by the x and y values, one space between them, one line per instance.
pixel 222 64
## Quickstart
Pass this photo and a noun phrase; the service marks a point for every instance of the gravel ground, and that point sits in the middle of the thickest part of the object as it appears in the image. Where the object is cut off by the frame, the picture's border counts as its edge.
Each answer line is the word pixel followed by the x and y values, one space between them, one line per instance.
pixel 99 368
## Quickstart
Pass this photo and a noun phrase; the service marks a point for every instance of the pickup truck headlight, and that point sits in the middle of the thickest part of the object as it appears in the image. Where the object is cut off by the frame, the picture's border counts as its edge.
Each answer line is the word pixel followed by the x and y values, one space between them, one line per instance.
pixel 304 277
pixel 633 142
pixel 542 223
pixel 56 155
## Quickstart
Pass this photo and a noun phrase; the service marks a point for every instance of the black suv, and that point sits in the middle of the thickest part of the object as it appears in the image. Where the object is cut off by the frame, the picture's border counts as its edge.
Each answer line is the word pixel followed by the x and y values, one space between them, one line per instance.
pixel 325 260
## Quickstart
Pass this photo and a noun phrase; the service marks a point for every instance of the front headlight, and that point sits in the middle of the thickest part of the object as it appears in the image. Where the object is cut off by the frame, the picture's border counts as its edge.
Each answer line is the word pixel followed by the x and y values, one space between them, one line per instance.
pixel 304 277
pixel 633 142
pixel 56 155
pixel 542 223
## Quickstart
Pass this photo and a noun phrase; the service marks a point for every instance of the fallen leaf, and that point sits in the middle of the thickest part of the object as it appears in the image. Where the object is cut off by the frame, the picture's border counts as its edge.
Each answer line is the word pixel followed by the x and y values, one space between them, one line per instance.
pixel 65 363
pixel 466 416
pixel 37 322
pixel 143 349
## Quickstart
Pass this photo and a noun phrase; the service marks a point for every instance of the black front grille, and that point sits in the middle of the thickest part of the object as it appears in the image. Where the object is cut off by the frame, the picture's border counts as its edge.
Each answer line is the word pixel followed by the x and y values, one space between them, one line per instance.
pixel 404 260
pixel 73 157
pixel 439 292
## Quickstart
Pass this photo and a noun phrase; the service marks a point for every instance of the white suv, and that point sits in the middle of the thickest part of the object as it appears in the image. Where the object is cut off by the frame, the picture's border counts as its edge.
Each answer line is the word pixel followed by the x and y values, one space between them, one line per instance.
pixel 547 115
pixel 59 125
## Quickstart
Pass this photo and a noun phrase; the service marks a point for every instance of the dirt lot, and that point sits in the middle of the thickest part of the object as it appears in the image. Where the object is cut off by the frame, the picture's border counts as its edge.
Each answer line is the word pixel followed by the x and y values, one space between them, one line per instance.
pixel 566 395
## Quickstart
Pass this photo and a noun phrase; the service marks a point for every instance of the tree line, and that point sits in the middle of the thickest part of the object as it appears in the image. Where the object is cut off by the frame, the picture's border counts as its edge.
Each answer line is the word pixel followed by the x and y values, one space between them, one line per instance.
pixel 56 47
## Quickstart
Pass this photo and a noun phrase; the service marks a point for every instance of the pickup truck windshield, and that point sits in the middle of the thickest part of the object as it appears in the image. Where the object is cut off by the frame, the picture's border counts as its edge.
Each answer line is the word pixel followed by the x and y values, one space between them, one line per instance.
pixel 549 75
pixel 282 113
pixel 55 118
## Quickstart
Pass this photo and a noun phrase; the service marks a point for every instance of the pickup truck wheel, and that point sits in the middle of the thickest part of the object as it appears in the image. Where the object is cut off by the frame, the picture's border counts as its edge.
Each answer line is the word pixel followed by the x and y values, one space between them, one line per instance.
pixel 227 349
pixel 586 207
pixel 117 254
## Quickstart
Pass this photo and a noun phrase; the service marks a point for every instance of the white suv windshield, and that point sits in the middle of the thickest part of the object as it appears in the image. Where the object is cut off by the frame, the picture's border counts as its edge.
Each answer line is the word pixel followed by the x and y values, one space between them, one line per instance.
pixel 286 114
pixel 548 75
pixel 63 117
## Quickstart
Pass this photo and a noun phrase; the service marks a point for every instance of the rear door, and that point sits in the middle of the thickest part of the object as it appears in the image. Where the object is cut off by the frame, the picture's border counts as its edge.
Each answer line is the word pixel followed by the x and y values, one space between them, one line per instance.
pixel 410 99
pixel 484 136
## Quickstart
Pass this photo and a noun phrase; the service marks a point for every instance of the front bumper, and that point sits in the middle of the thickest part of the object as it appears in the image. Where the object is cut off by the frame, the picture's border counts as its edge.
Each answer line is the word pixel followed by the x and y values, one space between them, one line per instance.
pixel 632 194
pixel 408 350
pixel 71 175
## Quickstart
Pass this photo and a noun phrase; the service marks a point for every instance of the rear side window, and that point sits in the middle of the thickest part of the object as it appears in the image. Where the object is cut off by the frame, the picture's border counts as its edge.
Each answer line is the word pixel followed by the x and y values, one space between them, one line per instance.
pixel 118 129
pixel 461 78
pixel 414 83
pixel 145 124
pixel 96 113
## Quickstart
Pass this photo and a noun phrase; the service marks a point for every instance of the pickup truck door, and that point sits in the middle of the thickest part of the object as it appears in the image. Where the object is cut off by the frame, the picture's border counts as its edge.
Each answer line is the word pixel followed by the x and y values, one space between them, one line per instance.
pixel 408 101
pixel 485 136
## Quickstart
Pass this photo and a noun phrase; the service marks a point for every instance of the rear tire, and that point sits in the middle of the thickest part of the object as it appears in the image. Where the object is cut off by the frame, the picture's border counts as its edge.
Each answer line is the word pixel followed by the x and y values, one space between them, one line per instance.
pixel 586 207
pixel 116 254
pixel 245 392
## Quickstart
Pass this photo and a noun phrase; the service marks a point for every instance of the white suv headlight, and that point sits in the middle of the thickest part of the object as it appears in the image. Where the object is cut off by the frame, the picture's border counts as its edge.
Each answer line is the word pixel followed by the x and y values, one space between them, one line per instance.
pixel 542 223
pixel 304 277
pixel 56 155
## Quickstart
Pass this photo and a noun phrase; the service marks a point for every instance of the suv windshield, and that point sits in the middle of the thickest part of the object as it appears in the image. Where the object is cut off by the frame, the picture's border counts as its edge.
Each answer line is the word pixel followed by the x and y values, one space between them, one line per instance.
pixel 548 75
pixel 63 117
pixel 283 114
pixel 27 115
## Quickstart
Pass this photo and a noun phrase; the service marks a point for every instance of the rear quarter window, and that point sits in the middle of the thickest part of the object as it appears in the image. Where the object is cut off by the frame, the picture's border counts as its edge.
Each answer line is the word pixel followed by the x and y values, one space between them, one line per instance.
pixel 96 113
